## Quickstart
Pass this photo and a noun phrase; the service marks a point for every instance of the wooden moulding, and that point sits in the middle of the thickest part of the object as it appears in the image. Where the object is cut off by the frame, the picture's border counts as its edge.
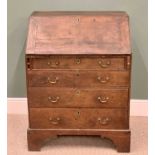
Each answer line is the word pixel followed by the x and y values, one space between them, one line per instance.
pixel 37 137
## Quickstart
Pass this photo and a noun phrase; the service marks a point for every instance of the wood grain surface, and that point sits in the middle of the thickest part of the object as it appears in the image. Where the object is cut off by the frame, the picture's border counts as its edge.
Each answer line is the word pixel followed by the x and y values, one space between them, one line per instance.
pixel 77 33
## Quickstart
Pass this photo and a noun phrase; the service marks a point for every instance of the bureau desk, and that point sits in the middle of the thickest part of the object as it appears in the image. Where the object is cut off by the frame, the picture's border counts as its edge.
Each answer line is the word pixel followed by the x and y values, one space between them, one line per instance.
pixel 78 67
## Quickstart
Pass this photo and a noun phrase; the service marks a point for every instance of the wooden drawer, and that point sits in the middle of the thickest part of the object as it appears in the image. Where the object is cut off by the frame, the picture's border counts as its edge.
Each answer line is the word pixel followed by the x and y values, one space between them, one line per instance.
pixel 58 118
pixel 79 62
pixel 50 97
pixel 51 79
pixel 78 78
pixel 102 79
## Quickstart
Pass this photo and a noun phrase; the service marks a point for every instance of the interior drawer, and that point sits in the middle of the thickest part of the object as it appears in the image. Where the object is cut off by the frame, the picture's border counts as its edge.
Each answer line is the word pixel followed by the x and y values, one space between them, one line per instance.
pixel 79 62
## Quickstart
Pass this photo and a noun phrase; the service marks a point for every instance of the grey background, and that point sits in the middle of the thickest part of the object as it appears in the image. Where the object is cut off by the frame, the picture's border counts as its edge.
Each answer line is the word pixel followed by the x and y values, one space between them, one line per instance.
pixel 20 10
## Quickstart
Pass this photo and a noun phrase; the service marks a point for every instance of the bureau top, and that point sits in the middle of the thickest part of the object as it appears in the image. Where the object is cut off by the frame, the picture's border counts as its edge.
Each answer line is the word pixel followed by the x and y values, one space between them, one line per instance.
pixel 78 33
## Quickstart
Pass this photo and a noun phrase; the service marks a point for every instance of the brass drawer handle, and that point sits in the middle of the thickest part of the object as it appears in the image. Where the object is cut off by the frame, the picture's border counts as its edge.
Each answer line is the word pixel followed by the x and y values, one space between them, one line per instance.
pixel 54 121
pixel 103 121
pixel 103 99
pixel 106 79
pixel 53 99
pixel 104 64
pixel 53 64
pixel 53 81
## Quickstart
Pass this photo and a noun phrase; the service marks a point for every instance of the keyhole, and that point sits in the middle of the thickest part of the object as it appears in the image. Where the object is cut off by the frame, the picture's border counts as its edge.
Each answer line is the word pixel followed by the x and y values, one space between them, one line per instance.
pixel 77 115
pixel 78 92
pixel 77 73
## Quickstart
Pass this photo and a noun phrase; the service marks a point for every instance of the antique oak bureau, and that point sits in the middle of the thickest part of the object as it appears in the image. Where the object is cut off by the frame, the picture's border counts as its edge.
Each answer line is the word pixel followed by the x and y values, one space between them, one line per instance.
pixel 78 67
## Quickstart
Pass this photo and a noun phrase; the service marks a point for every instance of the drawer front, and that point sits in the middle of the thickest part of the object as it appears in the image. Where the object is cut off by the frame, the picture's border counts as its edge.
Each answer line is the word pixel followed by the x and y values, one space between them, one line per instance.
pixel 67 62
pixel 102 79
pixel 63 118
pixel 51 79
pixel 76 78
pixel 50 97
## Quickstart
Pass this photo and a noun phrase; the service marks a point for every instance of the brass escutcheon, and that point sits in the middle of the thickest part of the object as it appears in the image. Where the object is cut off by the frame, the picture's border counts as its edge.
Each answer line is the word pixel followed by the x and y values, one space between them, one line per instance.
pixel 77 61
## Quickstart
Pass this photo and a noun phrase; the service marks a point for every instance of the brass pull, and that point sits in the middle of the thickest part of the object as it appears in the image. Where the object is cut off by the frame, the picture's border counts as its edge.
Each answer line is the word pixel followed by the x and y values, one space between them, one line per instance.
pixel 54 121
pixel 103 121
pixel 53 99
pixel 78 61
pixel 53 81
pixel 106 79
pixel 53 64
pixel 104 64
pixel 103 99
